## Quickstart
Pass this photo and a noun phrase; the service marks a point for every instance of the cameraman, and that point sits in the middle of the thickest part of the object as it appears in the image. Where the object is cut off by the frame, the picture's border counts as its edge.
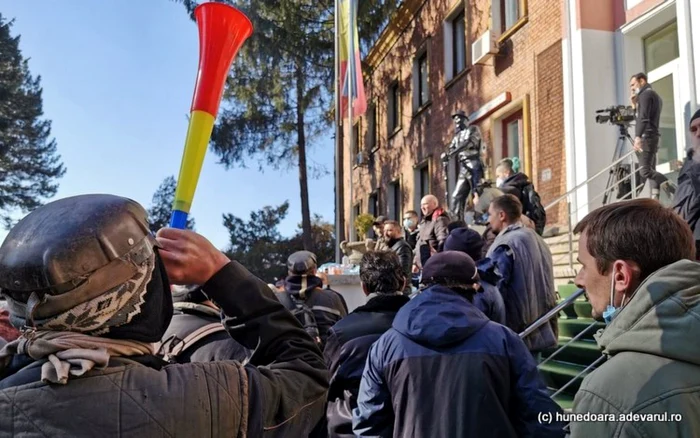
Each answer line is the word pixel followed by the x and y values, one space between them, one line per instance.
pixel 648 104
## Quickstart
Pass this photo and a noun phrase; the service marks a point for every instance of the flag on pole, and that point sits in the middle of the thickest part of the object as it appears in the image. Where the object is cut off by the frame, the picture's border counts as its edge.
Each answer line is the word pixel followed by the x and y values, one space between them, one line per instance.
pixel 350 46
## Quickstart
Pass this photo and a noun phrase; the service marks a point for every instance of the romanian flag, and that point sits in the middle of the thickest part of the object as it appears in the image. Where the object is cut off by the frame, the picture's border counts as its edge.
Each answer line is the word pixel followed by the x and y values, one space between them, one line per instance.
pixel 350 46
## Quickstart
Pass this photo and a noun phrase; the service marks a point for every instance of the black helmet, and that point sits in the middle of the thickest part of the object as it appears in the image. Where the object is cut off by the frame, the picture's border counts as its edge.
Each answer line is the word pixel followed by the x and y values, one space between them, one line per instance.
pixel 71 251
pixel 301 262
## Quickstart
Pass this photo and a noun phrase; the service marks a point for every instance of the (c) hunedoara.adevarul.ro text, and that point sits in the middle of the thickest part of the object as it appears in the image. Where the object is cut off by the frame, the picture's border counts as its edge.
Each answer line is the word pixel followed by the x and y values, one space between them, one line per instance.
pixel 567 417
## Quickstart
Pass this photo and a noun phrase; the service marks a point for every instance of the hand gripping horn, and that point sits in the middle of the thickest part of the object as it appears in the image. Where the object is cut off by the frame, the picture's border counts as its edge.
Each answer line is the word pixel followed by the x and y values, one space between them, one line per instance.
pixel 222 31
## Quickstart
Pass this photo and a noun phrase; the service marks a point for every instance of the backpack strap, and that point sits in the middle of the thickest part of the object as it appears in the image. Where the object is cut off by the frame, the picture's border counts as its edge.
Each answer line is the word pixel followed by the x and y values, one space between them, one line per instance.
pixel 171 348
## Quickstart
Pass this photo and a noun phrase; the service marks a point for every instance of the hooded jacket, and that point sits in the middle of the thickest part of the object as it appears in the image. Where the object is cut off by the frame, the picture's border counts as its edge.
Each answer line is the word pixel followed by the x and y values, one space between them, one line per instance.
pixel 445 370
pixel 686 201
pixel 653 364
pixel 522 188
pixel 280 392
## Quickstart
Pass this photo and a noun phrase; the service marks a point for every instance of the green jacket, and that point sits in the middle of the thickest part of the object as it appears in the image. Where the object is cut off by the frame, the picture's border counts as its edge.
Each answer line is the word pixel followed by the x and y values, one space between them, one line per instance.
pixel 653 366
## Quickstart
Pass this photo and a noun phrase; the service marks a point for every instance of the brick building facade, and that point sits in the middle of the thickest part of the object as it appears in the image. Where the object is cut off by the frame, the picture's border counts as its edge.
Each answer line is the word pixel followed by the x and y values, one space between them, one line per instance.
pixel 422 69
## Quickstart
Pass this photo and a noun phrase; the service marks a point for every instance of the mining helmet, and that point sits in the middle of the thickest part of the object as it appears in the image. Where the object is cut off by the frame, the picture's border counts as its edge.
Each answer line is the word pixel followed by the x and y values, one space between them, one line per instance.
pixel 301 262
pixel 70 251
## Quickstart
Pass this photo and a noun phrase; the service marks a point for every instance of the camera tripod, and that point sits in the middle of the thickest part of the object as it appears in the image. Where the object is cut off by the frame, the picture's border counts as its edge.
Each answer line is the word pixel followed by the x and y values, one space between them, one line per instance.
pixel 621 177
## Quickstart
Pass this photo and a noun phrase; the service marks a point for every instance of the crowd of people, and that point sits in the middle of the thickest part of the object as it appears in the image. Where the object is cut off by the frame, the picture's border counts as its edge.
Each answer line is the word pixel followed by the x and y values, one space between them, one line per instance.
pixel 109 330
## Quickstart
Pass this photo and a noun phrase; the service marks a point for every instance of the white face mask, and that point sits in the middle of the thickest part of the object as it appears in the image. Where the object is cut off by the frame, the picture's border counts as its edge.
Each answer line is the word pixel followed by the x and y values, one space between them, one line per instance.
pixel 499 182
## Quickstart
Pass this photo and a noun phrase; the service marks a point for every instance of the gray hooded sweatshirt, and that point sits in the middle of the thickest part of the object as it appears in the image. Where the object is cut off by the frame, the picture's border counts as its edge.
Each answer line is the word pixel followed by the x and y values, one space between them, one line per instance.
pixel 653 366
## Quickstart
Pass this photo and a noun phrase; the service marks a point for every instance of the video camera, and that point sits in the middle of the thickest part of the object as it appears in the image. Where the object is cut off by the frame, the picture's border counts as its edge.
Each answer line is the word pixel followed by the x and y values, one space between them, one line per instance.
pixel 616 115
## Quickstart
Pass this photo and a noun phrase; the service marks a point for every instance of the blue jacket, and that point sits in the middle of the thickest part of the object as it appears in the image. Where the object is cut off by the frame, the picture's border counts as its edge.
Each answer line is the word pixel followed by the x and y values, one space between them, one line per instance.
pixel 445 370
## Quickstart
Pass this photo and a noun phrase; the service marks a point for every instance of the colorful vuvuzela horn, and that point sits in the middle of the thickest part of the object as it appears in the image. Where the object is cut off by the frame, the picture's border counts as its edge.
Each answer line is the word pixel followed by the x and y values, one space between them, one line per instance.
pixel 222 31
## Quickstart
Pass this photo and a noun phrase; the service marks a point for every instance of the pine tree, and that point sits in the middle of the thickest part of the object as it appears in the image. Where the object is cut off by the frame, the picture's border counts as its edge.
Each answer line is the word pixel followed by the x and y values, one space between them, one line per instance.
pixel 162 206
pixel 29 164
pixel 279 98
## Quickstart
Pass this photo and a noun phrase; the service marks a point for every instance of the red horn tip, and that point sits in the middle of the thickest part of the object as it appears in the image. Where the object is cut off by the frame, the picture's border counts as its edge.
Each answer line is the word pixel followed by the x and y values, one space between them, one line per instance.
pixel 222 31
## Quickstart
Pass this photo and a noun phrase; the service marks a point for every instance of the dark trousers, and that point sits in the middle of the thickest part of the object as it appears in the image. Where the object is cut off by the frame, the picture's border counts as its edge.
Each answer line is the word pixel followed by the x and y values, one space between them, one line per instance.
pixel 647 164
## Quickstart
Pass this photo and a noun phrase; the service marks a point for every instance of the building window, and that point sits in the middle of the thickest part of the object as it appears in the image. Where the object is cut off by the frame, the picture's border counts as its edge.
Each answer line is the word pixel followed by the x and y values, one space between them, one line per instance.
pixel 512 134
pixel 423 181
pixel 455 44
pixel 394 198
pixel 508 15
pixel 661 47
pixel 372 127
pixel 394 110
pixel 373 204
pixel 459 47
pixel 356 211
pixel 421 90
pixel 356 142
pixel 423 79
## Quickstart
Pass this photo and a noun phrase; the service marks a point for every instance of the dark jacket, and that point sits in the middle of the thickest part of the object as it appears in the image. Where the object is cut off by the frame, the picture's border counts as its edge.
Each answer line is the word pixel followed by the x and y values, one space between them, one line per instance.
pixel 328 306
pixel 686 202
pixel 649 106
pixel 520 263
pixel 445 370
pixel 432 232
pixel 346 353
pixel 280 392
pixel 405 253
pixel 214 347
pixel 412 238
pixel 520 186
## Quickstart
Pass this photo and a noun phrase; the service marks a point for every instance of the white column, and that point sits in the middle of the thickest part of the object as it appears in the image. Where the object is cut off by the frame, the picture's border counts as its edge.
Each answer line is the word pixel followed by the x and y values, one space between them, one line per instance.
pixel 569 17
pixel 590 83
pixel 687 68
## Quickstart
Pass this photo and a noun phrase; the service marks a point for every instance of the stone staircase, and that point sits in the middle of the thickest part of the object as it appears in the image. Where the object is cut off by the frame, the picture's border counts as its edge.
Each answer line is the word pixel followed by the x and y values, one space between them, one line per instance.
pixel 573 320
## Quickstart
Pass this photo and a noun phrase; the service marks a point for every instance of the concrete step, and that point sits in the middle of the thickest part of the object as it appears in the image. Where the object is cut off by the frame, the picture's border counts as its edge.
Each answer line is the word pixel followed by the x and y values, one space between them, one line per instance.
pixel 560 238
pixel 563 248
pixel 580 352
pixel 562 271
pixel 564 400
pixel 570 327
pixel 557 374
pixel 562 281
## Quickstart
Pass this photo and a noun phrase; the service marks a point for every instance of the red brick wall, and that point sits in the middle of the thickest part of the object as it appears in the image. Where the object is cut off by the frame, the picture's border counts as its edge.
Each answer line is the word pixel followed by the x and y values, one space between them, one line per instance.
pixel 531 65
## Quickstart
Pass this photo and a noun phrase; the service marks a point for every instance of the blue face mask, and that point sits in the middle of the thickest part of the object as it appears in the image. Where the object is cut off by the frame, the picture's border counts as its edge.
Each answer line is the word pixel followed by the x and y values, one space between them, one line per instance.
pixel 408 223
pixel 611 311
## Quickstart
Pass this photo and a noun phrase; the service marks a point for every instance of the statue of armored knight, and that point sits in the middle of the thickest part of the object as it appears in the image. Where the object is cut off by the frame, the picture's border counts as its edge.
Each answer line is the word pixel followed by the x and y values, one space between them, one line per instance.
pixel 466 144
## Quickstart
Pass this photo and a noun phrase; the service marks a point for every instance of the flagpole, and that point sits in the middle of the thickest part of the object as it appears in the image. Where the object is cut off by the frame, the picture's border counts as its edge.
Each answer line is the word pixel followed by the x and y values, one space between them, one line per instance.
pixel 338 145
pixel 351 87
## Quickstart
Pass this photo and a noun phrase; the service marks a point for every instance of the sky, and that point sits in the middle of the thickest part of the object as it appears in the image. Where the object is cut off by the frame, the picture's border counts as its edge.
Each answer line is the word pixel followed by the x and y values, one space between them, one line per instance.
pixel 118 78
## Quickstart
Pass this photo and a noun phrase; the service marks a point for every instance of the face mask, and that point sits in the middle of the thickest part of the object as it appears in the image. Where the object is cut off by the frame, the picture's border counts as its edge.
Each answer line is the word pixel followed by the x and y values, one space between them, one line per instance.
pixel 636 91
pixel 499 182
pixel 611 311
pixel 408 223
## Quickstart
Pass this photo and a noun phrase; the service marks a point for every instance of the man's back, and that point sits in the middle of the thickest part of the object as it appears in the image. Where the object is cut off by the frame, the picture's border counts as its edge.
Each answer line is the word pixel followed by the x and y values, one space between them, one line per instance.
pixel 524 263
pixel 346 352
pixel 136 397
pixel 327 305
pixel 445 370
